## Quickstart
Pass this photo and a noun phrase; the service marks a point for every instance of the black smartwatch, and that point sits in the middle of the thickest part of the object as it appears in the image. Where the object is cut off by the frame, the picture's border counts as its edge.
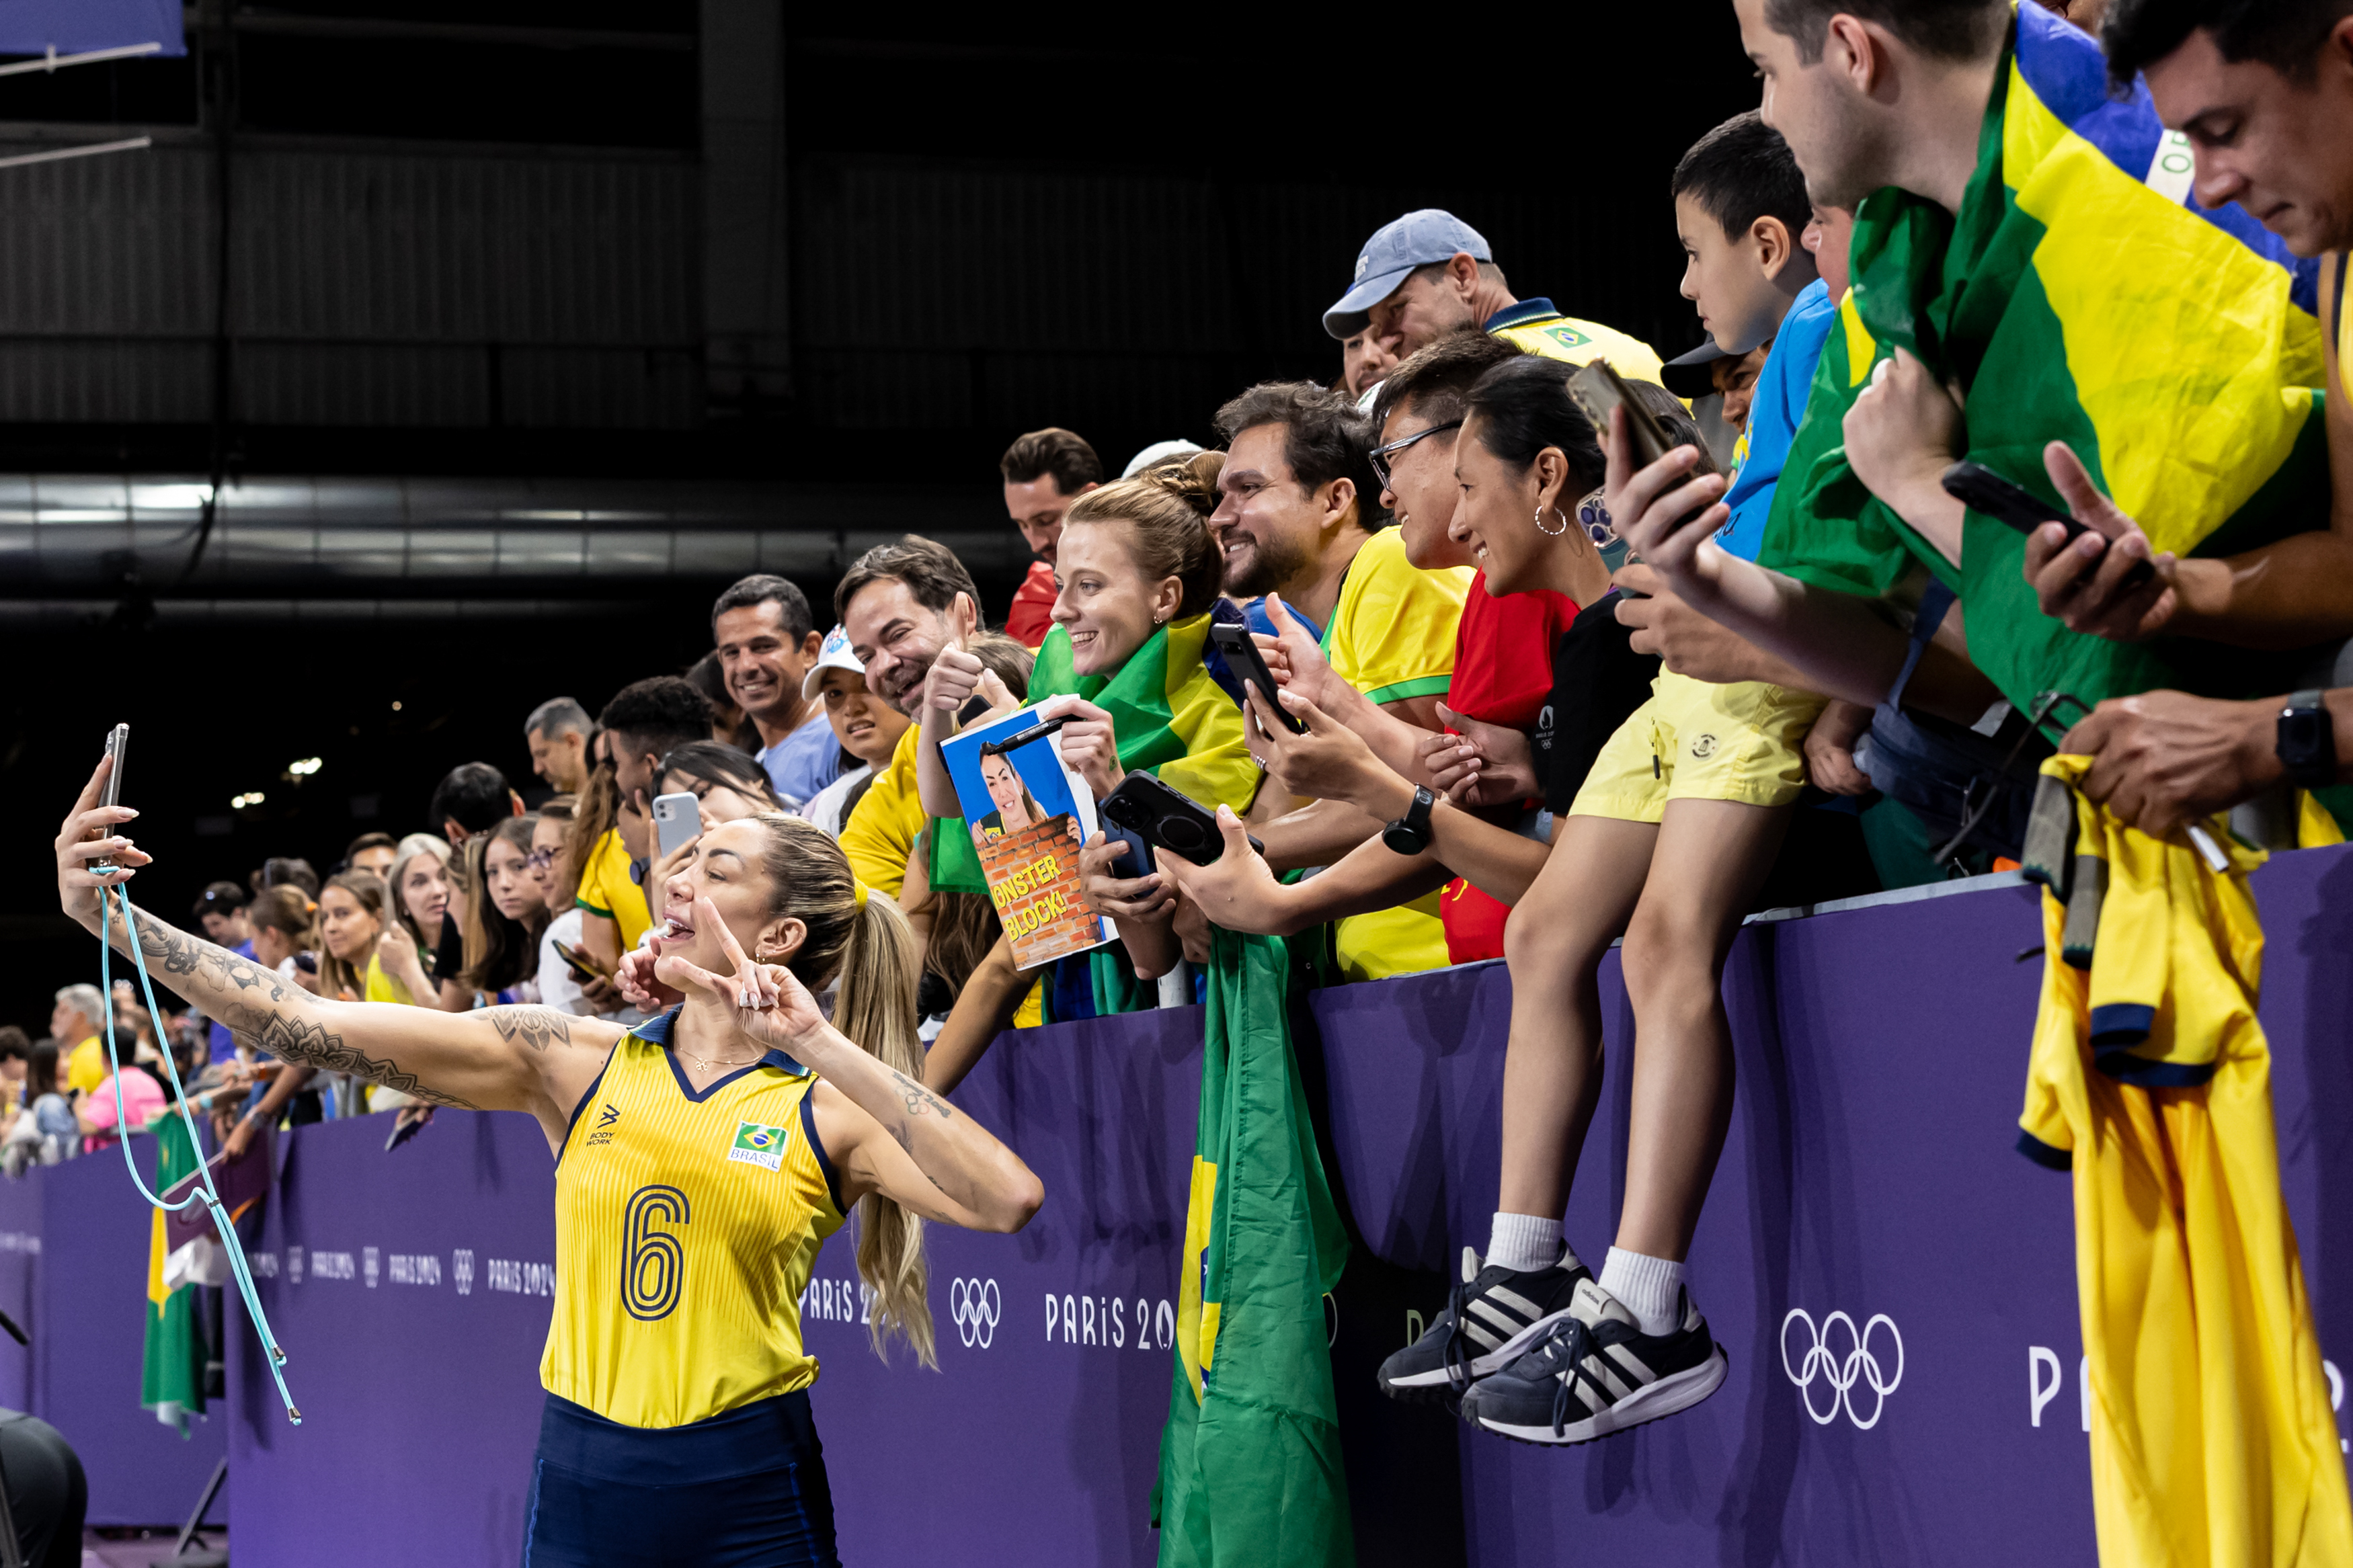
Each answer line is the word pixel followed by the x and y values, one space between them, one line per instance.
pixel 2308 741
pixel 1410 834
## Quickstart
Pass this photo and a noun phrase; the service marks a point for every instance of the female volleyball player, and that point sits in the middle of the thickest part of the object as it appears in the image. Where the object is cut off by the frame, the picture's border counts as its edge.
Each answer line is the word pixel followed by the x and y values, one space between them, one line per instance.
pixel 703 1158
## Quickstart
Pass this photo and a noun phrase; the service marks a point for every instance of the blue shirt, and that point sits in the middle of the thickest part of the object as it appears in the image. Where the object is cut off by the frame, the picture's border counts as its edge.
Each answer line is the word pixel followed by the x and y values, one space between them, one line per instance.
pixel 222 1045
pixel 1774 418
pixel 804 762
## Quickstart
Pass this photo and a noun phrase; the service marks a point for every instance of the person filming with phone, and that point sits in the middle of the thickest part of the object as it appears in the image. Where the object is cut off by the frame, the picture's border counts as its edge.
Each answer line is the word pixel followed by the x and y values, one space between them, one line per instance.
pixel 710 1384
pixel 1125 670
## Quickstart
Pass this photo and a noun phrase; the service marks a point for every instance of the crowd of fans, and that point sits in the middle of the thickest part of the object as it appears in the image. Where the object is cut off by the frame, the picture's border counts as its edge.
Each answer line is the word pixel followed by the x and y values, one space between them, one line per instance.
pixel 1535 692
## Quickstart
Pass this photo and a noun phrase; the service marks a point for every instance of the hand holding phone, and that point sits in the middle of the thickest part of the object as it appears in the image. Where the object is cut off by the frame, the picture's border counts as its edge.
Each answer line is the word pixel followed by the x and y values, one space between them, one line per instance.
pixel 1167 818
pixel 1979 489
pixel 678 819
pixel 1243 658
pixel 118 745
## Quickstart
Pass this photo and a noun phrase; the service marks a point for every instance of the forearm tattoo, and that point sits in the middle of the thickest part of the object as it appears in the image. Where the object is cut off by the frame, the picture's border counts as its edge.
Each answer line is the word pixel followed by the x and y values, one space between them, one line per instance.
pixel 919 1099
pixel 264 1012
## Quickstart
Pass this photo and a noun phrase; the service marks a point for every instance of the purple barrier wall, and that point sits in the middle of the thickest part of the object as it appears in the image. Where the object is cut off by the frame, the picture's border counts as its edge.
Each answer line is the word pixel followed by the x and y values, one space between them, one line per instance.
pixel 1870 1179
pixel 73 1273
pixel 410 1293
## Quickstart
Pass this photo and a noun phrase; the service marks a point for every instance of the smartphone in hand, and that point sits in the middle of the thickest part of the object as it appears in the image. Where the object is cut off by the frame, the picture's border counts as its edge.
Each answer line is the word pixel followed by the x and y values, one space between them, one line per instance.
pixel 1167 818
pixel 1979 489
pixel 677 820
pixel 1243 658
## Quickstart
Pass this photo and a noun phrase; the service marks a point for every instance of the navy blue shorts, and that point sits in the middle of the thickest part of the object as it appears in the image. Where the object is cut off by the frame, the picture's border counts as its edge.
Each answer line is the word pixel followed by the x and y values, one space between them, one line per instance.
pixel 746 1489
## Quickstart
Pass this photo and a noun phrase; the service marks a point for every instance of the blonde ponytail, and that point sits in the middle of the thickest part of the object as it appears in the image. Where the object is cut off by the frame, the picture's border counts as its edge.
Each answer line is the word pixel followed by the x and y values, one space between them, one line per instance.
pixel 867 950
pixel 876 1007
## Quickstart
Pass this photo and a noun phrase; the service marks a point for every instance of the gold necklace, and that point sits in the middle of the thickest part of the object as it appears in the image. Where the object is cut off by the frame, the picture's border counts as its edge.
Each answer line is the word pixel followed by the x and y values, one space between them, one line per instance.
pixel 706 1063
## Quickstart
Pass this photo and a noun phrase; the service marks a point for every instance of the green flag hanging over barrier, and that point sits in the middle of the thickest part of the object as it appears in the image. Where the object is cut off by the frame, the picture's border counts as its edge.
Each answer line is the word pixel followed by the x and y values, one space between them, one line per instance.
pixel 1250 1461
pixel 172 1368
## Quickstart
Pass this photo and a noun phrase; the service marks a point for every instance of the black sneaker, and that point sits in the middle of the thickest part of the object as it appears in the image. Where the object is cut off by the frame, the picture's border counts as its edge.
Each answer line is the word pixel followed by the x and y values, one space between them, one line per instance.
pixel 1594 1372
pixel 1495 1312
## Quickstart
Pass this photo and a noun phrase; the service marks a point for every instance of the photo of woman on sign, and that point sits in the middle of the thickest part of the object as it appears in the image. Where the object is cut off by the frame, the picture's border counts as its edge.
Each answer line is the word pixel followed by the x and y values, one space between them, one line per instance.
pixel 1017 808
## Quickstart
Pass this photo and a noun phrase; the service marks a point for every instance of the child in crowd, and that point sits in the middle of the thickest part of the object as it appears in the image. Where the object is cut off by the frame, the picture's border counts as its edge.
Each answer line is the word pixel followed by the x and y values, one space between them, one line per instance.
pixel 867 728
pixel 1668 840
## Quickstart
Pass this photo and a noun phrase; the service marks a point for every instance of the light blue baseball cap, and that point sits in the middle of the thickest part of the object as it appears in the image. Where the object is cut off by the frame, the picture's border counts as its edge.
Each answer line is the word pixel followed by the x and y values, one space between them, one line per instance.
pixel 1395 248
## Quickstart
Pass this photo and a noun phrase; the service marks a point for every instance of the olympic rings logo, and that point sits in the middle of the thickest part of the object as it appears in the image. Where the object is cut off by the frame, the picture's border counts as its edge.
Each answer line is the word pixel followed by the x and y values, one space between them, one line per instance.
pixel 975 1307
pixel 1858 1367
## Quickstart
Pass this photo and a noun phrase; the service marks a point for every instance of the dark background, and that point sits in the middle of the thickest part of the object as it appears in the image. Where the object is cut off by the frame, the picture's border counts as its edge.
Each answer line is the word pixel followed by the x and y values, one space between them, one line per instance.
pixel 986 229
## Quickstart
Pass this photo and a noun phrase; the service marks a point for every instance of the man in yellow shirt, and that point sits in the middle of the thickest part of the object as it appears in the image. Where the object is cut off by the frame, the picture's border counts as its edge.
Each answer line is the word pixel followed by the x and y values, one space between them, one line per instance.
pixel 80 1014
pixel 901 605
pixel 641 723
pixel 1298 517
pixel 1430 275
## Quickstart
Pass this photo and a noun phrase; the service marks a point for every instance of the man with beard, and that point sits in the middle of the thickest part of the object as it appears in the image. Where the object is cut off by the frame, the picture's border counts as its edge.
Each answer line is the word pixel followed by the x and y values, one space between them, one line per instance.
pixel 1298 521
pixel 766 641
pixel 901 605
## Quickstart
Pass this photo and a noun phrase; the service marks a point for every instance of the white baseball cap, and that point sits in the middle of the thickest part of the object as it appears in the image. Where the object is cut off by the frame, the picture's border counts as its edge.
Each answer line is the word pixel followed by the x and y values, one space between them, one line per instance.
pixel 834 655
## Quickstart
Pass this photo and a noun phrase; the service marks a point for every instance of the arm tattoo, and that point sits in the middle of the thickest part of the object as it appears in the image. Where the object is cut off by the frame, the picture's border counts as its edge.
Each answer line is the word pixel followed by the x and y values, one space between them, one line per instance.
pixel 534 1026
pixel 263 1011
pixel 222 977
pixel 305 1041
pixel 918 1098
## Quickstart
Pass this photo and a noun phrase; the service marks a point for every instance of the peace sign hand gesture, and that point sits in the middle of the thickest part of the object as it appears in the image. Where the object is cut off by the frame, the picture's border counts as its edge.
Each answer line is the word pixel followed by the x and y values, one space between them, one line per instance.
pixel 771 1005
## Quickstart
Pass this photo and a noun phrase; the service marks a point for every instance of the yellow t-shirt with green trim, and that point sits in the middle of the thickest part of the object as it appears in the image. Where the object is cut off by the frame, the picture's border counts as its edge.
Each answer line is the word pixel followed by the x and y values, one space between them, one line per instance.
pixel 1391 637
pixel 881 832
pixel 606 889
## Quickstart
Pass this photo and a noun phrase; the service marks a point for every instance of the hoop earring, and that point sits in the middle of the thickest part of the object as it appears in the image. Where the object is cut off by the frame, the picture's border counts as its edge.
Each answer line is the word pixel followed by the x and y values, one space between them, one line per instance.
pixel 1550 532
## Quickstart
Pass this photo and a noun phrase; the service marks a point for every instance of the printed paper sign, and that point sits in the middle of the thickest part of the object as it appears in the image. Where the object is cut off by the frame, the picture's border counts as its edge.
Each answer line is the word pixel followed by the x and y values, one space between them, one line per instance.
pixel 1029 815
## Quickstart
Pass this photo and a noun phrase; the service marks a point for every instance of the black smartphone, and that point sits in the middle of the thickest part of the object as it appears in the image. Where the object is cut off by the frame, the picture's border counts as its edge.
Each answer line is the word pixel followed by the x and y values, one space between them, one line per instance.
pixel 1021 738
pixel 1167 818
pixel 1980 488
pixel 1244 659
pixel 118 747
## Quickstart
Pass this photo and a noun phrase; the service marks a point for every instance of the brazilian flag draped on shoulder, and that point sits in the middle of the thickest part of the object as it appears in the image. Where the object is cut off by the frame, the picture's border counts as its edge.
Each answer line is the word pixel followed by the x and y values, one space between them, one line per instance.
pixel 2075 297
pixel 1250 1460
pixel 172 1366
pixel 1173 720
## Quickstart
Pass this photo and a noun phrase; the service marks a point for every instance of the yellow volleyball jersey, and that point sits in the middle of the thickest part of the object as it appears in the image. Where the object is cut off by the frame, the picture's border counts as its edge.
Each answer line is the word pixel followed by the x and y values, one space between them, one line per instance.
pixel 686 1226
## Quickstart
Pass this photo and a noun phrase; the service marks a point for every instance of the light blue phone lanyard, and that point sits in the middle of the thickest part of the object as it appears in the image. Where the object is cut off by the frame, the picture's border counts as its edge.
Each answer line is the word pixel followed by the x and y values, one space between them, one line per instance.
pixel 204 1188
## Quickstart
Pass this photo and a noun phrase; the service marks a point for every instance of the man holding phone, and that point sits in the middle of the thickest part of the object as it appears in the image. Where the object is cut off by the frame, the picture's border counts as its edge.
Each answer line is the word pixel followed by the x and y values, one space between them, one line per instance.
pixel 1298 520
pixel 1895 103
pixel 2265 98
pixel 641 723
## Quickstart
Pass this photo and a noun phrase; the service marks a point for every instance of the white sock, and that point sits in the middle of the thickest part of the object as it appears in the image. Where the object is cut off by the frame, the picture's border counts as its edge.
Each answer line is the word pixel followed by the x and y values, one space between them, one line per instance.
pixel 1522 1242
pixel 1645 1286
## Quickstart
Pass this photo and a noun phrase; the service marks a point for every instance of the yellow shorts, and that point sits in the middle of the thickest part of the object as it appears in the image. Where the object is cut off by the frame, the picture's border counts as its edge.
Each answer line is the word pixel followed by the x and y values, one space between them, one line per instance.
pixel 1693 741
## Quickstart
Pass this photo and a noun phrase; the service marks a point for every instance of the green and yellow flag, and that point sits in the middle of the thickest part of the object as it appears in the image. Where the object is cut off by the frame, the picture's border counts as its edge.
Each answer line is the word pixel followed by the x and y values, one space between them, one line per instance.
pixel 2074 297
pixel 1250 1461
pixel 171 1369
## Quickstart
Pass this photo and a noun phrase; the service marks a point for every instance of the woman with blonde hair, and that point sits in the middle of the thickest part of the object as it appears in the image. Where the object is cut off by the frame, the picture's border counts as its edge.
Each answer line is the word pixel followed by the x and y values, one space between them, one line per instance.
pixel 733 1133
pixel 1139 574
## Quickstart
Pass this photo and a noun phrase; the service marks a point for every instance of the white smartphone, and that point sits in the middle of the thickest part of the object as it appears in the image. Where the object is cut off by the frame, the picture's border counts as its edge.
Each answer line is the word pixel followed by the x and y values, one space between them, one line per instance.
pixel 677 818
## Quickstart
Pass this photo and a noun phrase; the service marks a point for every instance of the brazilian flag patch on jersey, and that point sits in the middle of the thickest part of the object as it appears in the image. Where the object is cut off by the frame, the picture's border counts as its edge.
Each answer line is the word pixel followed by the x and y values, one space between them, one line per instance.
pixel 758 1145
